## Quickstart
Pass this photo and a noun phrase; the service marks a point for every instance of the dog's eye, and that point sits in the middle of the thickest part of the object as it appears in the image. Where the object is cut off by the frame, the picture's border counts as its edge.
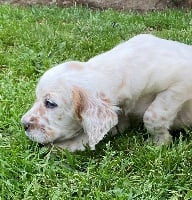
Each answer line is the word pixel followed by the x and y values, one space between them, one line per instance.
pixel 50 104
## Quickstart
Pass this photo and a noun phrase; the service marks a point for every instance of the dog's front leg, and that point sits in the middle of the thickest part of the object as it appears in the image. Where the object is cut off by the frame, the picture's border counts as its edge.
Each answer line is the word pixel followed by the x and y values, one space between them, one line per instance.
pixel 123 124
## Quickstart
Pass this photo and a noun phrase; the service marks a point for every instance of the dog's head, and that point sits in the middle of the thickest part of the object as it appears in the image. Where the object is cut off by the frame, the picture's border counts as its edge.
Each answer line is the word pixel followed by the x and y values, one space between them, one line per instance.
pixel 63 109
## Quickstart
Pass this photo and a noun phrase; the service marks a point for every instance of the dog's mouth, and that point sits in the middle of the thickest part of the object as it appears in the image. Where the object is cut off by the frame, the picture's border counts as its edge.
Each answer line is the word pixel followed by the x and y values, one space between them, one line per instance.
pixel 40 135
pixel 36 136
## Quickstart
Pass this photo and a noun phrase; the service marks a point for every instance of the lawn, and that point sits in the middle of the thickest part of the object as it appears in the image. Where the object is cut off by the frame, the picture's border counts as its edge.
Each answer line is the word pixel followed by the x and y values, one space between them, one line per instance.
pixel 32 39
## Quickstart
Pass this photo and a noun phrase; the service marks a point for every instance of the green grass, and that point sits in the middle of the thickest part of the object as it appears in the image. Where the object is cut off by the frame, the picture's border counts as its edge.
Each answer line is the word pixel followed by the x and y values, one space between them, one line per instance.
pixel 32 39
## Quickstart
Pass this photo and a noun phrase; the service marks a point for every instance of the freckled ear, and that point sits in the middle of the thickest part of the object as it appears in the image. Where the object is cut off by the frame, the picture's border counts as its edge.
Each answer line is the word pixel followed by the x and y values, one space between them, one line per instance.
pixel 96 115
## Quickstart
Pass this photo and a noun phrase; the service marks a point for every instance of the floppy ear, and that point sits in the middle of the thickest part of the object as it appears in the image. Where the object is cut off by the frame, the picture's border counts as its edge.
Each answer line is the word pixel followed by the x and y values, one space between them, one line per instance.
pixel 95 114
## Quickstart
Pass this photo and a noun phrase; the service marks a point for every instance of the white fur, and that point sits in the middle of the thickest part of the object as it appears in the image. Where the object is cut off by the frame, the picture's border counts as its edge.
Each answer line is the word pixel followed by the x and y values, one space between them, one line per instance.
pixel 147 77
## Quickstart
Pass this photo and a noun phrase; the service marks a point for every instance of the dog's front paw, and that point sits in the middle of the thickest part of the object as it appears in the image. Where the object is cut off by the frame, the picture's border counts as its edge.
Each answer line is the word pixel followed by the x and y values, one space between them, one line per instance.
pixel 160 139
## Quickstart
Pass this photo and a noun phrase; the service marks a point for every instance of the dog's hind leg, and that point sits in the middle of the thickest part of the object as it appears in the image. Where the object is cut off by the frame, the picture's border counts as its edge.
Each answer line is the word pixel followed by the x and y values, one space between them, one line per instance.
pixel 162 112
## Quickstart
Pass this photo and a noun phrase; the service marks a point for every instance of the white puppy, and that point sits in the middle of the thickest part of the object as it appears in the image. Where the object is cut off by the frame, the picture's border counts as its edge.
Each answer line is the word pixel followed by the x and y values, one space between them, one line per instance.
pixel 79 102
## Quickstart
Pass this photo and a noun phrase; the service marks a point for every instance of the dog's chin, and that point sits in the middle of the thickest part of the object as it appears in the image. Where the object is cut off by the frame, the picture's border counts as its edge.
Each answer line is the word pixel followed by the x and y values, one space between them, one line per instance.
pixel 62 141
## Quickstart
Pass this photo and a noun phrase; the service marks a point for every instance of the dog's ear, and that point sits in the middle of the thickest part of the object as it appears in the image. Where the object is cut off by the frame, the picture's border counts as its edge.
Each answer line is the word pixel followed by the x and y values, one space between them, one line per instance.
pixel 95 114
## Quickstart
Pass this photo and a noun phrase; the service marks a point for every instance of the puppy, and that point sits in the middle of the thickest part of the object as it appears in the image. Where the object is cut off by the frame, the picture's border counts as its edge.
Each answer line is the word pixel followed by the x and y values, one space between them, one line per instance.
pixel 77 103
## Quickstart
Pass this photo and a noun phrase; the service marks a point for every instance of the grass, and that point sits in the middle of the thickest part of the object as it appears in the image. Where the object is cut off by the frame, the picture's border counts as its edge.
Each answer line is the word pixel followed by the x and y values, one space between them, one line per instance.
pixel 32 39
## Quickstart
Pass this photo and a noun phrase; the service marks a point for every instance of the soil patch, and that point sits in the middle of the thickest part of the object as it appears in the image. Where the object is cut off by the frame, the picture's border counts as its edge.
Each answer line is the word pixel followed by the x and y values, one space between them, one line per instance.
pixel 139 5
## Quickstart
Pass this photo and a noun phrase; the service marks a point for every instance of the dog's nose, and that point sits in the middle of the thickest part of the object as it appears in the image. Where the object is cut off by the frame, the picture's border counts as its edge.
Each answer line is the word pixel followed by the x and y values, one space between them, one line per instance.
pixel 26 126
